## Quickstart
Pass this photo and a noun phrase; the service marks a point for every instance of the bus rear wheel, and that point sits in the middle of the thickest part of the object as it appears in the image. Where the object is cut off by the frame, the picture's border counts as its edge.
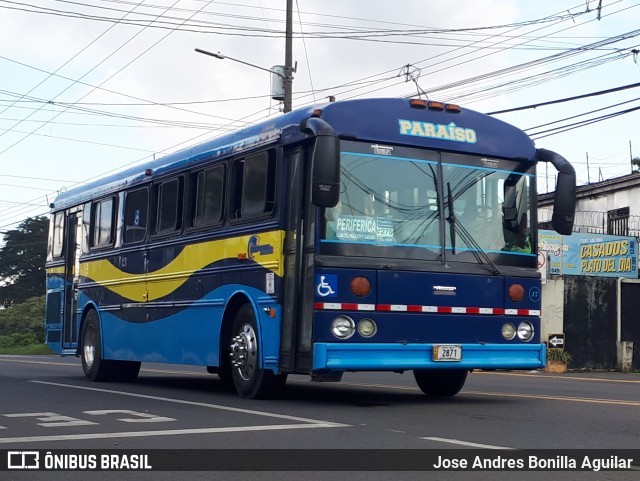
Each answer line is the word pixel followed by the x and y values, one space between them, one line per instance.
pixel 440 382
pixel 94 366
pixel 250 380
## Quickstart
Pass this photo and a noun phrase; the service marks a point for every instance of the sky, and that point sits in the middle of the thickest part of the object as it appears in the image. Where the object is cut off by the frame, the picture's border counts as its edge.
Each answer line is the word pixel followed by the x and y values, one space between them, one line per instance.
pixel 89 88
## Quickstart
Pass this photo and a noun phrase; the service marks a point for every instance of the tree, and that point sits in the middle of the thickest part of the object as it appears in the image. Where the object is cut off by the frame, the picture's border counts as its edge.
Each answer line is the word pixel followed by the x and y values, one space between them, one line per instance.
pixel 635 164
pixel 24 319
pixel 22 259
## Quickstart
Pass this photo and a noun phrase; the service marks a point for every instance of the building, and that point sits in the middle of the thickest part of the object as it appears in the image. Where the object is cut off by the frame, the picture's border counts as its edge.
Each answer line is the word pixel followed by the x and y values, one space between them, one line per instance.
pixel 608 207
pixel 598 315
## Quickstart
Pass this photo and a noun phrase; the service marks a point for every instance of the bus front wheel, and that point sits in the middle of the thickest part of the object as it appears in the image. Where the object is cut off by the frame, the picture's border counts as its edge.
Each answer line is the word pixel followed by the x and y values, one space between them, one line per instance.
pixel 250 380
pixel 440 382
pixel 94 366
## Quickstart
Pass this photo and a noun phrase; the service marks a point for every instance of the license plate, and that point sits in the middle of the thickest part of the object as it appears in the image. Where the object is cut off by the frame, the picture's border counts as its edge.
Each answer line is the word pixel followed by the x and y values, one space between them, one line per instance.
pixel 447 353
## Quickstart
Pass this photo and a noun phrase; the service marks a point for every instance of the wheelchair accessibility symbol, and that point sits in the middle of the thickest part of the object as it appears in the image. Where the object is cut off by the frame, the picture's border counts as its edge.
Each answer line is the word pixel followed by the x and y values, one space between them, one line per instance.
pixel 327 285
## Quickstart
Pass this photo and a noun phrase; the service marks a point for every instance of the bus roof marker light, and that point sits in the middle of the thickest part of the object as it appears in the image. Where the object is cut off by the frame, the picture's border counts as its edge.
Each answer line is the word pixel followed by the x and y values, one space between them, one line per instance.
pixel 316 113
pixel 418 103
pixel 148 172
pixel 435 105
pixel 452 108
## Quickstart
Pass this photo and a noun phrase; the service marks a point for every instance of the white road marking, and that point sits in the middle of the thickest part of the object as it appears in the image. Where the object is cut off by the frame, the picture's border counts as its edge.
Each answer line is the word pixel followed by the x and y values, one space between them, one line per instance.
pixel 464 443
pixel 171 432
pixel 305 423
pixel 195 403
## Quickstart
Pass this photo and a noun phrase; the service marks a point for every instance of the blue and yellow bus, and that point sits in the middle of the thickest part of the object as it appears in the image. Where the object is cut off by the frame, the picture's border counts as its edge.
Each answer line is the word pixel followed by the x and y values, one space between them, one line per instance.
pixel 364 235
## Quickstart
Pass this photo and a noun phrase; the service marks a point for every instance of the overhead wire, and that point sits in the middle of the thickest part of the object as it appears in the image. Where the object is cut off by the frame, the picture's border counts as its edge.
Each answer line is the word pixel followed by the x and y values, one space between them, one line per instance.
pixel 313 90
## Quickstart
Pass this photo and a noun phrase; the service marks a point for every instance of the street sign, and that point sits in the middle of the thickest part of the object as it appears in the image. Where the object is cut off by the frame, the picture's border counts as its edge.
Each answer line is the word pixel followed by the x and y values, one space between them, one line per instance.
pixel 556 341
pixel 542 266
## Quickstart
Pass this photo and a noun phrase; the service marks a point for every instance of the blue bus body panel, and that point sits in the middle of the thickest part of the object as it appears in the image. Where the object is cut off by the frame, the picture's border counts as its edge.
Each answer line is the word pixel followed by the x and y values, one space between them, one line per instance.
pixel 381 356
pixel 391 287
pixel 189 336
pixel 415 310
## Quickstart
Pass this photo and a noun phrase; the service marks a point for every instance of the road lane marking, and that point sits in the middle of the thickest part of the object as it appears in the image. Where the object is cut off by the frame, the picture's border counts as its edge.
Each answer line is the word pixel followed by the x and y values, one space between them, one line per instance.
pixel 620 402
pixel 171 432
pixel 563 377
pixel 617 402
pixel 194 403
pixel 464 443
pixel 304 423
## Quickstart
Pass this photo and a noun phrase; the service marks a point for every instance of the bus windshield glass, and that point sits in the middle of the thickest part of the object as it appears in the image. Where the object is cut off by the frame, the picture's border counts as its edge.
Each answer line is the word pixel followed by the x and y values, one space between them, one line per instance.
pixel 403 197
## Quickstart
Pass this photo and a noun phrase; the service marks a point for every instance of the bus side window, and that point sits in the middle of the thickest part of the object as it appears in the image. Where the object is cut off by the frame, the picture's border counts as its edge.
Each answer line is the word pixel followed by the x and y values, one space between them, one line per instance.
pixel 168 203
pixel 135 215
pixel 253 185
pixel 102 223
pixel 207 196
pixel 85 240
pixel 58 234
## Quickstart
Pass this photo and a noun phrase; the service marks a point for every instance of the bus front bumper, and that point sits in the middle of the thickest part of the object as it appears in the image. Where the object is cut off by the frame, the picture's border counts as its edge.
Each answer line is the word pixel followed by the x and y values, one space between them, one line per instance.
pixel 397 357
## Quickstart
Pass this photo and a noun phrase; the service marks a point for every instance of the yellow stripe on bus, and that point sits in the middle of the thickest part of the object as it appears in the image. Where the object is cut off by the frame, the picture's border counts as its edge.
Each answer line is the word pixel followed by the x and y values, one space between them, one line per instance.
pixel 162 282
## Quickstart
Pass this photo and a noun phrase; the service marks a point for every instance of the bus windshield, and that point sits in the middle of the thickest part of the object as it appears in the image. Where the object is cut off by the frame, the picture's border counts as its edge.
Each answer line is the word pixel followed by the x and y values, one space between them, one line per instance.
pixel 396 196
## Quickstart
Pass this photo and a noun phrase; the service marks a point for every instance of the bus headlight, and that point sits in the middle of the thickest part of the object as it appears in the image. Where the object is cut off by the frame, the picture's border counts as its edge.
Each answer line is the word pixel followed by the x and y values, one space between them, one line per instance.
pixel 343 327
pixel 525 331
pixel 367 327
pixel 508 331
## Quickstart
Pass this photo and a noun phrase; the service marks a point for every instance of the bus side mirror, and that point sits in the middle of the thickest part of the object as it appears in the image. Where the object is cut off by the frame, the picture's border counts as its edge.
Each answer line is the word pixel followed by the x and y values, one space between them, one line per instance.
pixel 564 204
pixel 325 162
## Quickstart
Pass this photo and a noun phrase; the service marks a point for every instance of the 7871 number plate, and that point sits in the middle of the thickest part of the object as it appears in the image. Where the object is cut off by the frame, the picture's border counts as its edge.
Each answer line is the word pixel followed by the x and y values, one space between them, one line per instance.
pixel 447 352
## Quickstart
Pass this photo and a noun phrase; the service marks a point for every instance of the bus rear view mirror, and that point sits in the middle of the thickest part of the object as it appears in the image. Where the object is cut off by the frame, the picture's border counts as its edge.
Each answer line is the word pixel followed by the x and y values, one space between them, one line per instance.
pixel 564 205
pixel 325 162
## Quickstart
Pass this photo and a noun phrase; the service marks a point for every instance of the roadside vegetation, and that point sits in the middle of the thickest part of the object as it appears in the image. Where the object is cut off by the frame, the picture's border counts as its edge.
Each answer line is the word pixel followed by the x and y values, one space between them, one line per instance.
pixel 22 279
pixel 22 328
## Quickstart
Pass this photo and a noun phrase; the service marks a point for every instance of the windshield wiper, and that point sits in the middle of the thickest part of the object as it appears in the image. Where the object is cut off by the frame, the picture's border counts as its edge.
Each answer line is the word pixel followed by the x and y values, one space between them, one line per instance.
pixel 452 219
pixel 455 226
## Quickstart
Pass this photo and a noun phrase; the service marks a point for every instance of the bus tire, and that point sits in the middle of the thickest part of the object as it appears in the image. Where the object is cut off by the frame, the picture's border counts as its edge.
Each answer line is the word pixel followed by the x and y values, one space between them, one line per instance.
pixel 94 366
pixel 440 382
pixel 249 379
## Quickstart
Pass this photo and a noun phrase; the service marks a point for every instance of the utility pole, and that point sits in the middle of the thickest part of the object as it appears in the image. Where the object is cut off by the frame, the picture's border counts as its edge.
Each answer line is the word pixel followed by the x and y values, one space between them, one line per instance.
pixel 288 59
pixel 280 91
pixel 588 176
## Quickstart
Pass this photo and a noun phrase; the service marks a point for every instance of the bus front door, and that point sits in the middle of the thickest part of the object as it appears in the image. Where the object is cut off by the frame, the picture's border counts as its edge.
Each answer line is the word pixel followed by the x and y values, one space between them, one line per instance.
pixel 71 272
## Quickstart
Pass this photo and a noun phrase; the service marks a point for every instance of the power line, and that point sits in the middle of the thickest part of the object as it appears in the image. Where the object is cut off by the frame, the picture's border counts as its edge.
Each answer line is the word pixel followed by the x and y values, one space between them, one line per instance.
pixel 567 99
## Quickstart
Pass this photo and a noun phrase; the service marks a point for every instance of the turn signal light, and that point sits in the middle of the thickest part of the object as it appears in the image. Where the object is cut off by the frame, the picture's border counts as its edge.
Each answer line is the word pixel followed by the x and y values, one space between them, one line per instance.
pixel 516 292
pixel 360 286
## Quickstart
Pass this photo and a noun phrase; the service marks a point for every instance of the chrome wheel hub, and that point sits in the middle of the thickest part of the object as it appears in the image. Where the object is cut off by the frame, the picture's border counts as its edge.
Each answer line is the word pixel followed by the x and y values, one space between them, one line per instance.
pixel 244 352
pixel 89 353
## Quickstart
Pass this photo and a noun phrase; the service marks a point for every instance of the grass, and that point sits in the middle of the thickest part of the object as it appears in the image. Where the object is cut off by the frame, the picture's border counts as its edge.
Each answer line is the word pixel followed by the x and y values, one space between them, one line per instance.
pixel 33 349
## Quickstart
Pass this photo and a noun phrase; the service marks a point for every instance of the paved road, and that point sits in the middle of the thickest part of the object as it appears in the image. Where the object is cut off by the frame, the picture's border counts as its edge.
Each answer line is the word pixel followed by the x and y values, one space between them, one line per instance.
pixel 46 403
